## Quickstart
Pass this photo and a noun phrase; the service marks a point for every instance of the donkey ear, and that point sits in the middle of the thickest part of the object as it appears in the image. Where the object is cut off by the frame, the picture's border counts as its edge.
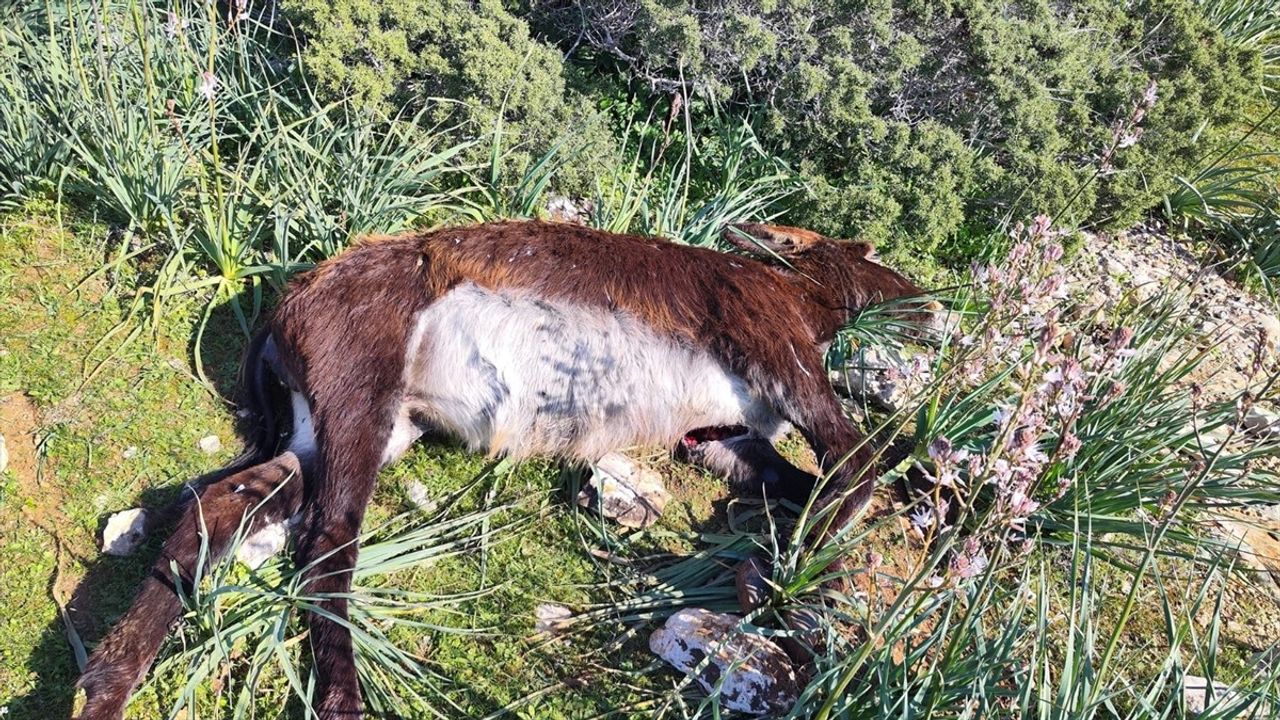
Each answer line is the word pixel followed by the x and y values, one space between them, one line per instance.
pixel 770 240
pixel 864 250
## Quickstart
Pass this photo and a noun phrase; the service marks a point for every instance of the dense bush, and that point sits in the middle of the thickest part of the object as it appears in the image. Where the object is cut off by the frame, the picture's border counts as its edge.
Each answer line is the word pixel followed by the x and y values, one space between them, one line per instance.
pixel 476 55
pixel 913 116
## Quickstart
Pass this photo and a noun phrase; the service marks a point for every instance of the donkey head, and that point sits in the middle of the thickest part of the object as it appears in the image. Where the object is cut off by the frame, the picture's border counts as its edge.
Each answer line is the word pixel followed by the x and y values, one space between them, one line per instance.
pixel 841 277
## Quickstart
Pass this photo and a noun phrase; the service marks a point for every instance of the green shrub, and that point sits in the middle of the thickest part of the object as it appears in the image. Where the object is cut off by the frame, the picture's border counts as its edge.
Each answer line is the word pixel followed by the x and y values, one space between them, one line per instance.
pixel 476 56
pixel 912 117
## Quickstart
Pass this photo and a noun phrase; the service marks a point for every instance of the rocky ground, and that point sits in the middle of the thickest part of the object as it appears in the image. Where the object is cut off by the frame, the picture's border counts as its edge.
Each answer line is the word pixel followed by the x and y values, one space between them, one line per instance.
pixel 1109 272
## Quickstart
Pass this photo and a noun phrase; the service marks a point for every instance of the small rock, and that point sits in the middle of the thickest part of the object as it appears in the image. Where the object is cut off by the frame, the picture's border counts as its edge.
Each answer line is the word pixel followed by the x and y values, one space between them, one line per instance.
pixel 209 444
pixel 553 619
pixel 571 210
pixel 1195 694
pixel 4 454
pixel 1261 423
pixel 753 674
pixel 124 532
pixel 868 376
pixel 623 490
pixel 130 452
pixel 263 545
pixel 420 496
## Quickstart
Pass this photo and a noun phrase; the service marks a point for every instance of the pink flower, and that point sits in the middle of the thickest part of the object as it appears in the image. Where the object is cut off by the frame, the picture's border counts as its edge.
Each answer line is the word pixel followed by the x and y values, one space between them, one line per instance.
pixel 173 25
pixel 970 562
pixel 922 519
pixel 208 87
pixel 1069 445
pixel 1021 506
pixel 1149 96
pixel 1120 338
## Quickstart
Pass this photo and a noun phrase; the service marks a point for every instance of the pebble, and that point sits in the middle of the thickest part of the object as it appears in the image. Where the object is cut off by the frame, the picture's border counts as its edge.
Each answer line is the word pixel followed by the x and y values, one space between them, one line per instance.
pixel 209 444
pixel 553 619
pixel 124 532
pixel 1261 423
pixel 420 496
pixel 261 546
pixel 1195 695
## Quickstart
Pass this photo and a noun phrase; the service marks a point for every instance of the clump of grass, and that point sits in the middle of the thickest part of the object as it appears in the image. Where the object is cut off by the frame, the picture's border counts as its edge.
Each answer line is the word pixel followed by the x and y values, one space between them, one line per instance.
pixel 1235 201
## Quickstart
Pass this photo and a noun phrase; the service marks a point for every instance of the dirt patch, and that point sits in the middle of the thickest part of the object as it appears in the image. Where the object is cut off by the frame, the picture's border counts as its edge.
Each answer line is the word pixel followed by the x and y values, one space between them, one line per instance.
pixel 18 424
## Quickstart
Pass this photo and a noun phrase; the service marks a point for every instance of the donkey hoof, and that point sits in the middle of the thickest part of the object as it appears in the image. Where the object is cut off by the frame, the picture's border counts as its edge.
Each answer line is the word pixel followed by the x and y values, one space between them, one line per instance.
pixel 752 582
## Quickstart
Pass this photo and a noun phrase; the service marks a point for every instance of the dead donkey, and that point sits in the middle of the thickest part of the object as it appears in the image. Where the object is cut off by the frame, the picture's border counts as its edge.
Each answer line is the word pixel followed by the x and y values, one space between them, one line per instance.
pixel 519 338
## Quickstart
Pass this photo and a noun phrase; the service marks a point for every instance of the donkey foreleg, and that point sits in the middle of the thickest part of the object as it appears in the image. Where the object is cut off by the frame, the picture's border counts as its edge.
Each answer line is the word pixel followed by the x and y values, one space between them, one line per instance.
pixel 270 491
pixel 748 462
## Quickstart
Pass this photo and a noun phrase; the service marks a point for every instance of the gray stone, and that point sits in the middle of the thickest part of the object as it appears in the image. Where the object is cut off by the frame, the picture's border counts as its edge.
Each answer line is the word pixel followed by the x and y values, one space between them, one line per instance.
pixel 752 673
pixel 420 496
pixel 1195 695
pixel 1261 423
pixel 571 210
pixel 209 444
pixel 866 376
pixel 553 619
pixel 625 491
pixel 124 532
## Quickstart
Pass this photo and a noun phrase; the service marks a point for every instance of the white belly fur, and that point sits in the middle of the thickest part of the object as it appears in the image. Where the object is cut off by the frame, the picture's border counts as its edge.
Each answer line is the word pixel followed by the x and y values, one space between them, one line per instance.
pixel 510 374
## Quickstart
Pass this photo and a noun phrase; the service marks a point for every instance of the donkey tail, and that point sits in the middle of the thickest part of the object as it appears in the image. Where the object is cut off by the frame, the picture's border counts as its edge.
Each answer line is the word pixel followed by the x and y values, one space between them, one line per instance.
pixel 259 401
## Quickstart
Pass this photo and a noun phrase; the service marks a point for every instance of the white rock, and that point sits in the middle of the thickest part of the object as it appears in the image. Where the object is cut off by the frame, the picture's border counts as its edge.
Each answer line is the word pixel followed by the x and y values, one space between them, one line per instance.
pixel 124 532
pixel 572 210
pixel 553 619
pixel 130 452
pixel 753 674
pixel 866 376
pixel 1261 423
pixel 625 491
pixel 263 545
pixel 420 496
pixel 4 454
pixel 1195 690
pixel 209 444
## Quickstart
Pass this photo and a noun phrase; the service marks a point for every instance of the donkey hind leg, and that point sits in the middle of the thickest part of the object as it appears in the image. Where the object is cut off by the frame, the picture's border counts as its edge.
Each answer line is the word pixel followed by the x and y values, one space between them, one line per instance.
pixel 748 462
pixel 272 491
pixel 336 502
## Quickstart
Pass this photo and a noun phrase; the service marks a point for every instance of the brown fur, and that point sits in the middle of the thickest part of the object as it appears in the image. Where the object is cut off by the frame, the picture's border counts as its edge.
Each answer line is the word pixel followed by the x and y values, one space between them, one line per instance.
pixel 342 332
